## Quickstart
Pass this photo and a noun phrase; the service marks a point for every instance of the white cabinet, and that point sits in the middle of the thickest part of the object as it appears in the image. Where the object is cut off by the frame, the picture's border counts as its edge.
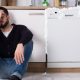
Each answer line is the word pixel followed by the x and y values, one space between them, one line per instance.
pixel 34 20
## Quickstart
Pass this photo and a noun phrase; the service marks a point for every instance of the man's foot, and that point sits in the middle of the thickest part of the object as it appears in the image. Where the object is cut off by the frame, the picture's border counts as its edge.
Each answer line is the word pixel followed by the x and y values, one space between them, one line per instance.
pixel 14 77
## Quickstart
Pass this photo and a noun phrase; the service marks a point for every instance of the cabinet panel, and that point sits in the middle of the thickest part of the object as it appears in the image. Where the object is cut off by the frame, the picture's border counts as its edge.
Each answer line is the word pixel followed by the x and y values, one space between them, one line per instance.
pixel 34 20
pixel 64 42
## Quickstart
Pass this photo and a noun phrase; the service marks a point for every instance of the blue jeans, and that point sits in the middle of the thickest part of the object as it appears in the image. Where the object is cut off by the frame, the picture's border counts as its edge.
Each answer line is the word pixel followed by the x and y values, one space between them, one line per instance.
pixel 9 67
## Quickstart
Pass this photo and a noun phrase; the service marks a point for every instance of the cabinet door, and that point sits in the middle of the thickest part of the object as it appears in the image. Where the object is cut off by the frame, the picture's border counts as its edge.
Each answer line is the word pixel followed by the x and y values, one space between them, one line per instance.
pixel 34 20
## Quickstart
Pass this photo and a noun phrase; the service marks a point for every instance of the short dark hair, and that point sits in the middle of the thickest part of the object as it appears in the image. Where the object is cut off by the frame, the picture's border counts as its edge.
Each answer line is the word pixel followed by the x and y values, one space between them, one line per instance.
pixel 5 10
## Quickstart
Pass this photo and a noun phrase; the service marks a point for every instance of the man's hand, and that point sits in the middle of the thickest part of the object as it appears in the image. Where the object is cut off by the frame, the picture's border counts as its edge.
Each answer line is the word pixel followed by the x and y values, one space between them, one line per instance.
pixel 19 54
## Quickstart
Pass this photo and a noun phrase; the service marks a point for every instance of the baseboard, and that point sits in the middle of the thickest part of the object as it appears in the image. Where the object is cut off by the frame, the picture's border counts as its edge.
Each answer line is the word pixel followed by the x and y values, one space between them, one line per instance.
pixel 40 67
pixel 36 67
pixel 63 70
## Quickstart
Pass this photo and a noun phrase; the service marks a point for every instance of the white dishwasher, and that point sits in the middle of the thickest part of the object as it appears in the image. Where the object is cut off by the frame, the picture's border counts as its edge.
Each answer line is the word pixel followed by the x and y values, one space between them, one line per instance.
pixel 63 37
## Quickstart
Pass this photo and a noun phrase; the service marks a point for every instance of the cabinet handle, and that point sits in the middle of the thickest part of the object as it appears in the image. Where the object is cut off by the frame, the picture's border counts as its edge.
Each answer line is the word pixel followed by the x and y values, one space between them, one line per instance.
pixel 36 13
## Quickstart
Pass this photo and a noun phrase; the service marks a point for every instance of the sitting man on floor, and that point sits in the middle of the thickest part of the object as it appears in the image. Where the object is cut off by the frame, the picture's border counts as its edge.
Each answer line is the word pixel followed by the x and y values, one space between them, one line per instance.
pixel 15 47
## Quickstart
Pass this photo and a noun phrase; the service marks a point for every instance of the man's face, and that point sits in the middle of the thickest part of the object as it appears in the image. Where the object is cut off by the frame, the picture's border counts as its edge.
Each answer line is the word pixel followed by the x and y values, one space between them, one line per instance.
pixel 4 19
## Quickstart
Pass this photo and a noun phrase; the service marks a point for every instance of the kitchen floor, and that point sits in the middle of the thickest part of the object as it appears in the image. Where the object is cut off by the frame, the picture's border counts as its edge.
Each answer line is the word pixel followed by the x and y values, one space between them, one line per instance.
pixel 52 76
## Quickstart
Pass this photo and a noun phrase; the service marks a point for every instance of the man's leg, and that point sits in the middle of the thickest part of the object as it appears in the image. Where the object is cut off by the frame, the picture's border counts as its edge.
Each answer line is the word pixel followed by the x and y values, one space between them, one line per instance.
pixel 3 68
pixel 17 69
pixel 8 66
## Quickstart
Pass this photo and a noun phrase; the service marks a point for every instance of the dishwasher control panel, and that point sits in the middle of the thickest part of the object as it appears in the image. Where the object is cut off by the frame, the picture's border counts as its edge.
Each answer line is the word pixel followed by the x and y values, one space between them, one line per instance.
pixel 56 13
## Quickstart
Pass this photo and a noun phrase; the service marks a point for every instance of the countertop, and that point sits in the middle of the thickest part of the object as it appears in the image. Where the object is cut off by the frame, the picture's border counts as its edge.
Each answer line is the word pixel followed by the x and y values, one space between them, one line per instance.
pixel 25 7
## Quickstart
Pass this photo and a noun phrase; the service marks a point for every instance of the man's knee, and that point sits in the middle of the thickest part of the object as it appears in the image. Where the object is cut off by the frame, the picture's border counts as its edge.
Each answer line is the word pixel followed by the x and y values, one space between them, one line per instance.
pixel 28 49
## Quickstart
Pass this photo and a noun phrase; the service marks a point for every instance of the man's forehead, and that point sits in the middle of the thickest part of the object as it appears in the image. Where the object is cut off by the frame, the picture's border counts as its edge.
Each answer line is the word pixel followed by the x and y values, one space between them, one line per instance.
pixel 2 12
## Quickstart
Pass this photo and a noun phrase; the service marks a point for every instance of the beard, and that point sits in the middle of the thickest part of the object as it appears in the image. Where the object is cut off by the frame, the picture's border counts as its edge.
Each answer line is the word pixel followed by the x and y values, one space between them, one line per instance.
pixel 4 25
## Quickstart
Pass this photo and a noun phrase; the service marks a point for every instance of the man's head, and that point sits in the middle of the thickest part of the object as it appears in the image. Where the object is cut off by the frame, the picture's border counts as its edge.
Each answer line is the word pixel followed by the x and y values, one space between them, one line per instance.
pixel 4 17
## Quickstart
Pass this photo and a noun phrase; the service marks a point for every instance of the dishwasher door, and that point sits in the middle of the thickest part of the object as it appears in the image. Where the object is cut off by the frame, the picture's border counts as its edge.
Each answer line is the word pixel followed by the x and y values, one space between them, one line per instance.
pixel 63 37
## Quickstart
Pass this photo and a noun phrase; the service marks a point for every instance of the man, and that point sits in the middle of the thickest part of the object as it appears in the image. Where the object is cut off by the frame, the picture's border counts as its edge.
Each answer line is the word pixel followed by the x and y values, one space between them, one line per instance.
pixel 13 56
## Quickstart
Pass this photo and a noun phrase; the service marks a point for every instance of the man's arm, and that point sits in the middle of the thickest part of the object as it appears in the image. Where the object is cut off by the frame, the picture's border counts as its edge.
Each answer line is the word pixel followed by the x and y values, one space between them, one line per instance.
pixel 26 36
